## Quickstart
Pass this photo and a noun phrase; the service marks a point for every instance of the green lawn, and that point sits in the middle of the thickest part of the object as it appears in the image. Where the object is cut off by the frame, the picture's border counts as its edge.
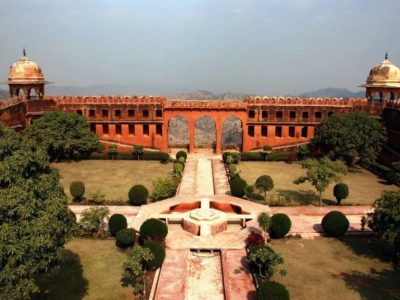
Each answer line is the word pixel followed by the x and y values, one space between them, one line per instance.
pixel 113 177
pixel 364 186
pixel 355 268
pixel 92 270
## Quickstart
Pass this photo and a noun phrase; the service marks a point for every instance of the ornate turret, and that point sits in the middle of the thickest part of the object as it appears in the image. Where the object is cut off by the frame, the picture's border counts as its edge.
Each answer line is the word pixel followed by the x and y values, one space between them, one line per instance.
pixel 25 77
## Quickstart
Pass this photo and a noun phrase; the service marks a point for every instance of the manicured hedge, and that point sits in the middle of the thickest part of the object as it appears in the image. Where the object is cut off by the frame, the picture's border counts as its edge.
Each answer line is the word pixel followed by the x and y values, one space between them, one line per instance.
pixel 271 290
pixel 138 195
pixel 252 156
pixel 259 156
pixel 158 251
pixel 77 190
pixel 181 153
pixel 153 229
pixel 125 238
pixel 116 223
pixel 335 223
pixel 237 186
pixel 147 155
pixel 280 226
pixel 340 191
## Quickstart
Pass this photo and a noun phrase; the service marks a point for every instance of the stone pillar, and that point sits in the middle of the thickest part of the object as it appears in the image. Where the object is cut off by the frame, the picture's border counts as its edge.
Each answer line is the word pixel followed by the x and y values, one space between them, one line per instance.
pixel 218 132
pixel 191 135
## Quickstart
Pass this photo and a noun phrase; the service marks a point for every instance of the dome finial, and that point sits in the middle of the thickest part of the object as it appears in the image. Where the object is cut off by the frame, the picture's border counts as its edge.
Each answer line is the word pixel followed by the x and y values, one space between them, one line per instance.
pixel 24 52
pixel 386 55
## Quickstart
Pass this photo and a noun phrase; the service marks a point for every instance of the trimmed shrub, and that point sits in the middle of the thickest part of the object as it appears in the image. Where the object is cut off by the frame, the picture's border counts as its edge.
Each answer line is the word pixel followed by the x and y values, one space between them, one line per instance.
pixel 77 190
pixel 252 156
pixel 280 226
pixel 153 229
pixel 391 177
pixel 155 155
pixel 280 156
pixel 341 191
pixel 335 223
pixel 254 239
pixel 237 186
pixel 125 238
pixel 232 170
pixel 225 155
pixel 178 168
pixel 181 153
pixel 265 184
pixel 158 251
pixel 271 290
pixel 164 187
pixel 267 148
pixel 182 161
pixel 138 195
pixel 116 223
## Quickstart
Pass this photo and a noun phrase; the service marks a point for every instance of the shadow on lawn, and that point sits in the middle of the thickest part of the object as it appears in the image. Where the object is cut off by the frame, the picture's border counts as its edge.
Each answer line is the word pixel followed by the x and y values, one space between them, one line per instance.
pixel 66 282
pixel 300 197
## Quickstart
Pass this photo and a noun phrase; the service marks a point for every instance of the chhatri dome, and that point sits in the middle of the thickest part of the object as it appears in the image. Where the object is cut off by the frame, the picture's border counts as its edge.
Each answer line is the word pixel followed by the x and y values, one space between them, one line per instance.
pixel 25 76
pixel 384 74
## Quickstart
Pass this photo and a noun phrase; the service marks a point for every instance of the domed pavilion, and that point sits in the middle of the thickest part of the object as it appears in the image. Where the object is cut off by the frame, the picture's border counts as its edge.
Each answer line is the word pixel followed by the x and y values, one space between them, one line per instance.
pixel 26 79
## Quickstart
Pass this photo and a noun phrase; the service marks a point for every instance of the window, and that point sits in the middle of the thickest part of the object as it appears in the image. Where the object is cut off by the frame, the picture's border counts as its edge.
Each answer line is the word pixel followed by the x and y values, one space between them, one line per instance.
pixel 146 129
pixel 279 114
pixel 118 129
pixel 131 112
pixel 250 130
pixel 104 112
pixel 304 132
pixel 92 113
pixel 145 113
pixel 131 129
pixel 105 128
pixel 79 112
pixel 117 113
pixel 292 115
pixel 252 114
pixel 278 131
pixel 318 115
pixel 291 131
pixel 264 130
pixel 93 127
pixel 264 114
pixel 158 113
pixel 305 114
pixel 159 129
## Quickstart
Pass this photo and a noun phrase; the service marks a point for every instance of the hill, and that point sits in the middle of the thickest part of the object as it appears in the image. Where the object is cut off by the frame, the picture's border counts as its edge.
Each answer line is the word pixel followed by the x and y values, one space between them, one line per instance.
pixel 333 92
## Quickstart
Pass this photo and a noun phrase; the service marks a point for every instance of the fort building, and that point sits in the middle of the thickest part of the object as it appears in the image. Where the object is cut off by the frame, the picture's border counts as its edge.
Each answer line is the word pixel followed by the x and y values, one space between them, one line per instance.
pixel 150 120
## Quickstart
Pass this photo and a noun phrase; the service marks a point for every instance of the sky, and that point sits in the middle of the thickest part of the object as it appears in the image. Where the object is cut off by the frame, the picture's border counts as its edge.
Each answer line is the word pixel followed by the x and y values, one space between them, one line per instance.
pixel 265 47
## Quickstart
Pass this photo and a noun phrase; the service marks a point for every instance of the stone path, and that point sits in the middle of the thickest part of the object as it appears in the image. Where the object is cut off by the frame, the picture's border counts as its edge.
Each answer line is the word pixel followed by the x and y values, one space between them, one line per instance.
pixel 204 177
pixel 189 178
pixel 221 182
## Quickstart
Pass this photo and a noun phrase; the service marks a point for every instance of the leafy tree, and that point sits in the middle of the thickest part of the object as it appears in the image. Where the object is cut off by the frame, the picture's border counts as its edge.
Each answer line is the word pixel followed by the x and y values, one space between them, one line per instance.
pixel 265 260
pixel 351 136
pixel 138 150
pixel 340 191
pixel 265 184
pixel 385 220
pixel 35 223
pixel 63 135
pixel 321 172
pixel 264 221
pixel 134 273
pixel 93 219
pixel 112 151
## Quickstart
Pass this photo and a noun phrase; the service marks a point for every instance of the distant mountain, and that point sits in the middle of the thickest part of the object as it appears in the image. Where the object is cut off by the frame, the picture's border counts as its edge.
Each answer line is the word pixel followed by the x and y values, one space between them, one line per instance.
pixel 206 95
pixel 333 92
pixel 4 94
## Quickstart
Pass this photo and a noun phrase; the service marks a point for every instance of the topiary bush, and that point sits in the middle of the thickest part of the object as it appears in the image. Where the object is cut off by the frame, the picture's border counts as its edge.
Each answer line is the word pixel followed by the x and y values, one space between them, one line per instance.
pixel 181 153
pixel 77 190
pixel 125 238
pixel 341 191
pixel 158 251
pixel 237 186
pixel 280 226
pixel 116 223
pixel 138 195
pixel 335 223
pixel 177 168
pixel 153 229
pixel 254 239
pixel 271 290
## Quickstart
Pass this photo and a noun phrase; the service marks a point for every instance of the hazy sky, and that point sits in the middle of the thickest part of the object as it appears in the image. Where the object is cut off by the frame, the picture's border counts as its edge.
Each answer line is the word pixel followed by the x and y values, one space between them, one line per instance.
pixel 268 47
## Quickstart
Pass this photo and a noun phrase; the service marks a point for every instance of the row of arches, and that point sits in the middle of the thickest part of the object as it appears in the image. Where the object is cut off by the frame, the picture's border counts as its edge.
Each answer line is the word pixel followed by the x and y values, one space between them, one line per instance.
pixel 205 132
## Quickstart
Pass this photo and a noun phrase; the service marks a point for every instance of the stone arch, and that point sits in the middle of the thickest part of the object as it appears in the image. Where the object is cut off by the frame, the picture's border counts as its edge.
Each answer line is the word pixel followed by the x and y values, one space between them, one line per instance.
pixel 232 133
pixel 205 132
pixel 178 132
pixel 390 96
pixel 378 96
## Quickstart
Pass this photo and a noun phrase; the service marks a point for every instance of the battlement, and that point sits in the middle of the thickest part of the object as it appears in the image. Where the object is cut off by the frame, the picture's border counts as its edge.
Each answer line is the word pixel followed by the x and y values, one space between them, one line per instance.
pixel 205 104
pixel 107 99
pixel 297 101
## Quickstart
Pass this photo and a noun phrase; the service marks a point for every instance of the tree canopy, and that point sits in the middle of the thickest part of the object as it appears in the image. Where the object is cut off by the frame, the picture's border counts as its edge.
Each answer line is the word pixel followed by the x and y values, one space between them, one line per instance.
pixel 34 219
pixel 63 135
pixel 352 136
pixel 321 172
pixel 385 220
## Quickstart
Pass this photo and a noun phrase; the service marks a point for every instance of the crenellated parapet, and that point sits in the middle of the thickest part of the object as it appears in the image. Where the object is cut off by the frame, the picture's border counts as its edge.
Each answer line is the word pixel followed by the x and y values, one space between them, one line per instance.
pixel 108 99
pixel 301 101
pixel 205 105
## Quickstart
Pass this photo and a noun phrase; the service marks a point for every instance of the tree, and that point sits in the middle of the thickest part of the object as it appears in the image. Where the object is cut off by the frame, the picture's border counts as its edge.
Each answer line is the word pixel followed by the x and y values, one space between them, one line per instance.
pixel 265 260
pixel 134 273
pixel 265 184
pixel 340 191
pixel 351 136
pixel 112 151
pixel 137 150
pixel 63 135
pixel 264 221
pixel 35 223
pixel 385 220
pixel 93 219
pixel 320 173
